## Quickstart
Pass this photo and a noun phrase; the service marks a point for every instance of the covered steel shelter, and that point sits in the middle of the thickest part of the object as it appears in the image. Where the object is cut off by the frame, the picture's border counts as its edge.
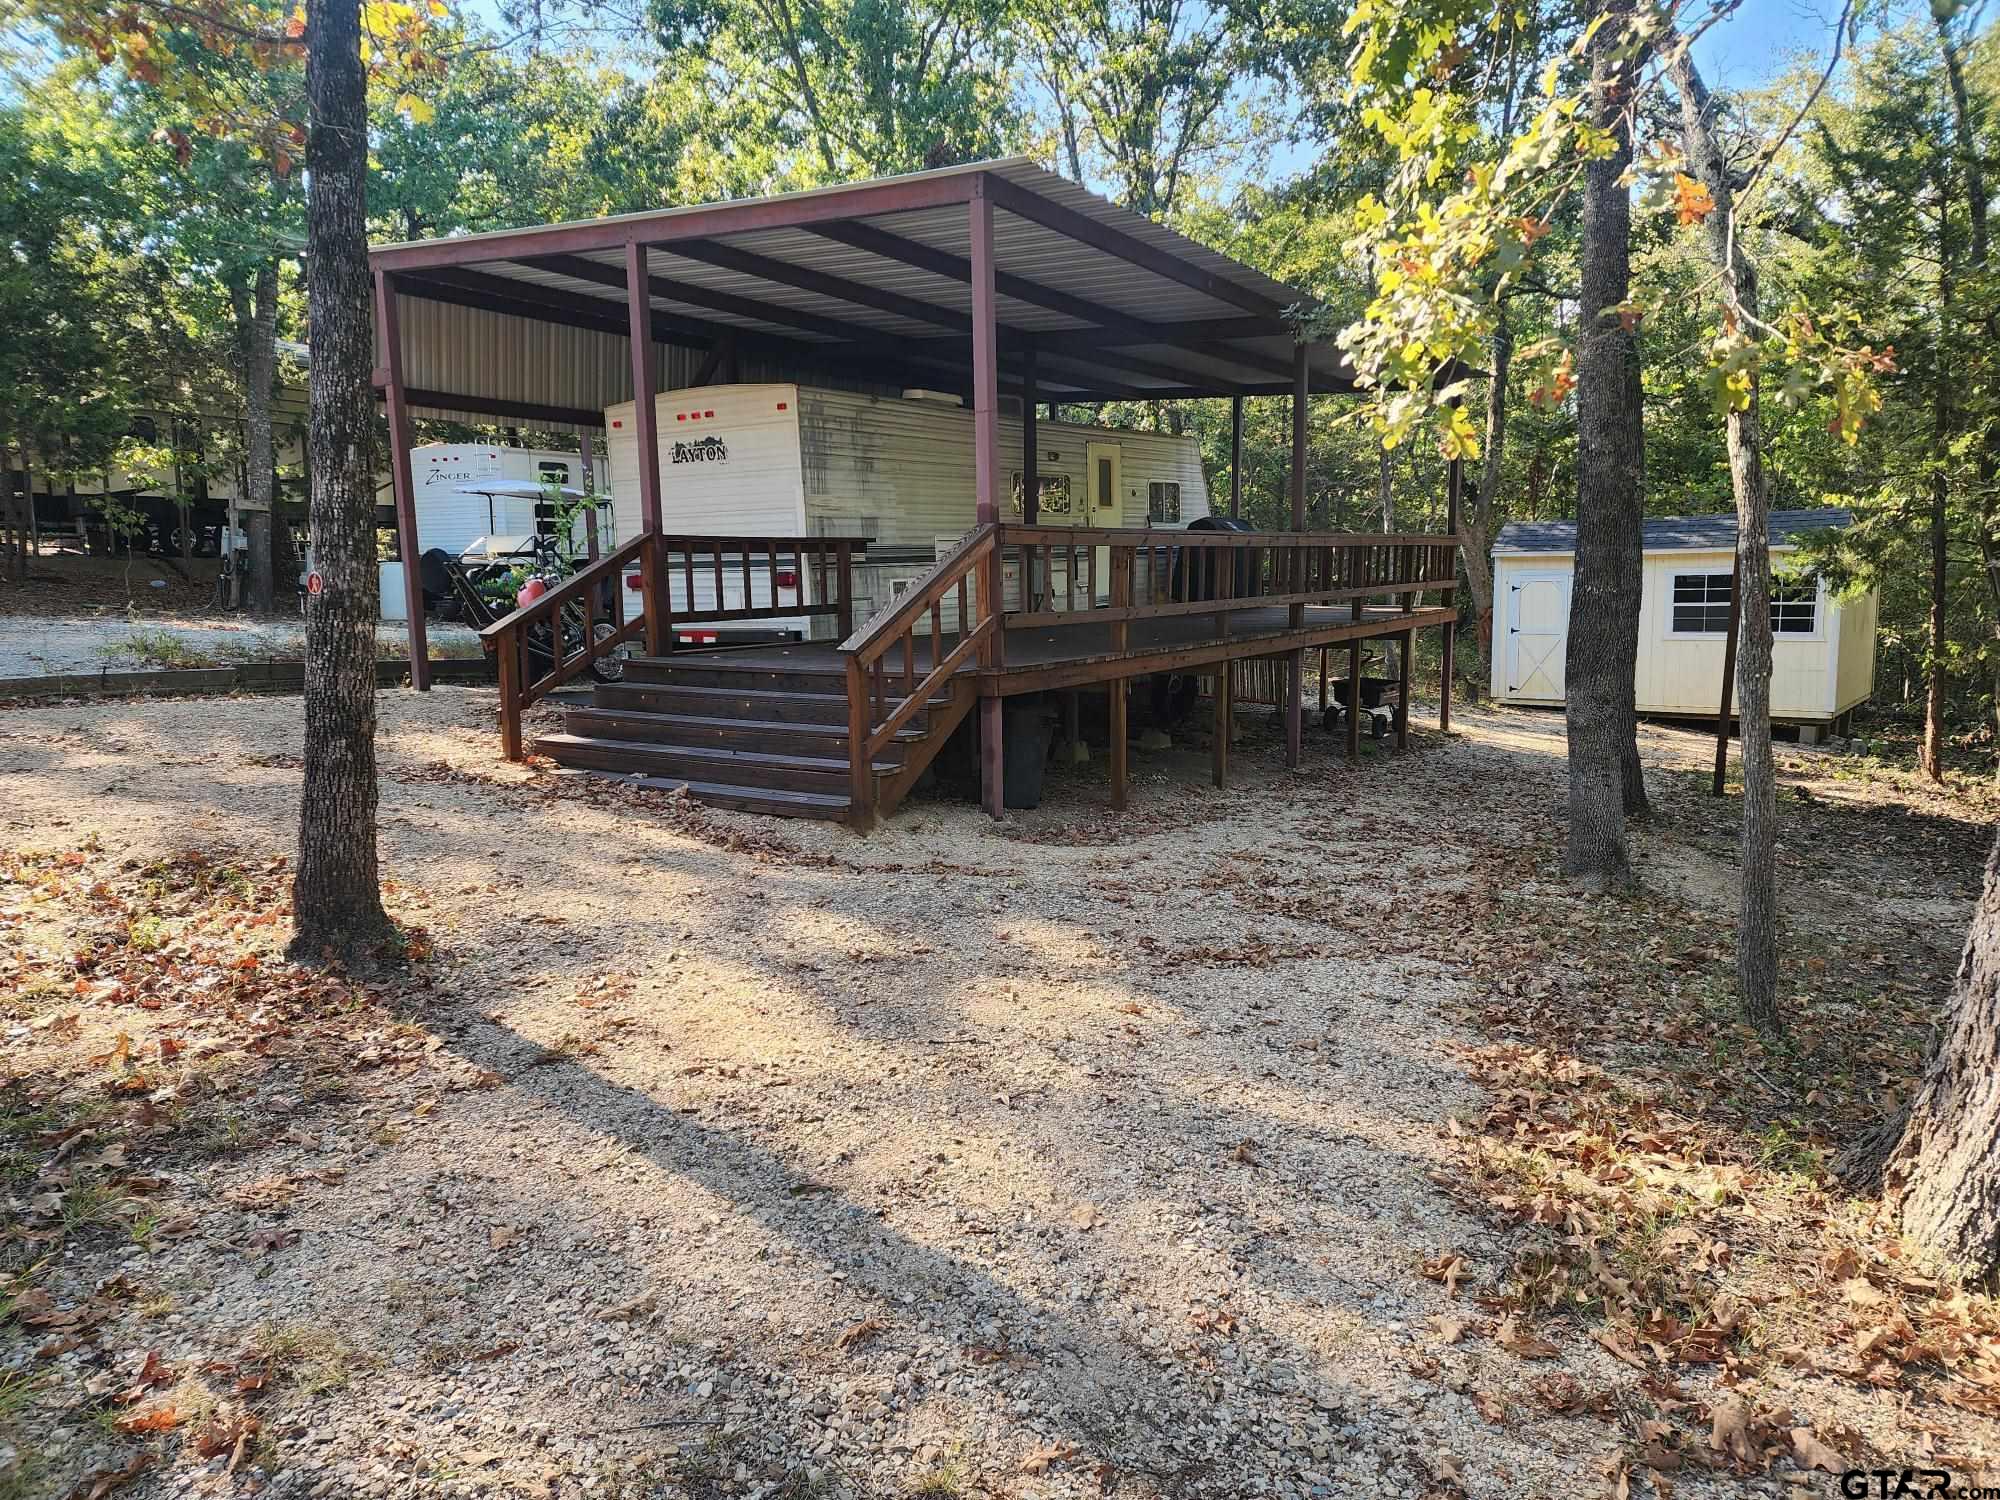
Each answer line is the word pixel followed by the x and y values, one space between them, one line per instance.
pixel 990 279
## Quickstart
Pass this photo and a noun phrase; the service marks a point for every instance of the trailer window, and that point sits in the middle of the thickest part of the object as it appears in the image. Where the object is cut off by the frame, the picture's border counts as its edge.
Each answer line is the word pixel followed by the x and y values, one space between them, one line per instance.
pixel 1163 500
pixel 1052 492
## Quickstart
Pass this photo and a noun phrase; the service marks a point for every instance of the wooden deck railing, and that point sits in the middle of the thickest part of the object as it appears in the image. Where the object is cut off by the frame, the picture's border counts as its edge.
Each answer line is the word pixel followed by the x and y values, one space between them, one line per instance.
pixel 692 568
pixel 1155 574
pixel 563 623
pixel 686 579
pixel 881 699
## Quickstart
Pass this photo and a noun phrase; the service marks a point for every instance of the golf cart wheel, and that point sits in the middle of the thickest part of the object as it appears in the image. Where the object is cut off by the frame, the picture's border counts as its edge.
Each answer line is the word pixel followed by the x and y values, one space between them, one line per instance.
pixel 609 667
pixel 1378 727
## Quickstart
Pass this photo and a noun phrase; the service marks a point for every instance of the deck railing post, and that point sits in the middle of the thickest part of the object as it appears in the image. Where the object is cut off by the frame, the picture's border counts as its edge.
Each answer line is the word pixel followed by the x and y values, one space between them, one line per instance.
pixel 844 563
pixel 645 432
pixel 509 648
pixel 860 770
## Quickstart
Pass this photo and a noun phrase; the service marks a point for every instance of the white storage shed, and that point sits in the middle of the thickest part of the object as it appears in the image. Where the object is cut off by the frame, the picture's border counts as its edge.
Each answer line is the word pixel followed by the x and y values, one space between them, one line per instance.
pixel 1823 652
pixel 792 460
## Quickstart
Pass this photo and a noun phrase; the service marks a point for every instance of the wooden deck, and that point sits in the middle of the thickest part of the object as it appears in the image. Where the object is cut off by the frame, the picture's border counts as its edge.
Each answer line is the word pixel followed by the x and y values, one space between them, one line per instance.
pixel 1040 658
pixel 843 729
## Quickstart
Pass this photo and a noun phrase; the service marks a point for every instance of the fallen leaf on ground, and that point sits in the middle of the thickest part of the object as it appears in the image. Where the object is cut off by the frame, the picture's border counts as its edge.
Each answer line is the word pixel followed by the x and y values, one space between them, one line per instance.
pixel 1811 1453
pixel 500 1236
pixel 1038 1462
pixel 96 1485
pixel 859 1333
pixel 1448 1267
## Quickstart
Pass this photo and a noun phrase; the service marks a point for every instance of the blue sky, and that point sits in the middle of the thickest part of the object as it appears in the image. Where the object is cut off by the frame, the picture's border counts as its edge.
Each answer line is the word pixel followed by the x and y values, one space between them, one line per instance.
pixel 1762 39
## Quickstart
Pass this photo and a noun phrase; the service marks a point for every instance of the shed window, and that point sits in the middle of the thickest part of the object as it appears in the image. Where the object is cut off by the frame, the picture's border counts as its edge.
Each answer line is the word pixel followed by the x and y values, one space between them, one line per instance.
pixel 1794 606
pixel 1701 604
pixel 1163 500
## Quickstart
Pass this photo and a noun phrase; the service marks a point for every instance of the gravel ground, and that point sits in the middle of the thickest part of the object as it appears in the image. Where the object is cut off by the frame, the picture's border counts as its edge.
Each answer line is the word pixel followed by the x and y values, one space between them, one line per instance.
pixel 32 646
pixel 1024 1159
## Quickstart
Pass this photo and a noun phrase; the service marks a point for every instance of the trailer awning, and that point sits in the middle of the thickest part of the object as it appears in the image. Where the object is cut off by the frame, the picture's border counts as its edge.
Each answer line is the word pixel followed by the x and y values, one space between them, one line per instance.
pixel 870 283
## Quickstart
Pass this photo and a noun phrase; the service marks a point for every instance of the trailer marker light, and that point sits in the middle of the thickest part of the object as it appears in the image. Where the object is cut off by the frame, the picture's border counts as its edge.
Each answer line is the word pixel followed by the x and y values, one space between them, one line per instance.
pixel 680 416
pixel 635 582
pixel 785 578
pixel 783 404
pixel 617 421
pixel 708 414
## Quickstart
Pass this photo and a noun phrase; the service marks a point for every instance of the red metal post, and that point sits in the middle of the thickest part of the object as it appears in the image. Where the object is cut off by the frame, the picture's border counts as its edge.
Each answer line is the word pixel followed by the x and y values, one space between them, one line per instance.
pixel 389 328
pixel 1031 478
pixel 1236 455
pixel 986 465
pixel 1295 666
pixel 645 430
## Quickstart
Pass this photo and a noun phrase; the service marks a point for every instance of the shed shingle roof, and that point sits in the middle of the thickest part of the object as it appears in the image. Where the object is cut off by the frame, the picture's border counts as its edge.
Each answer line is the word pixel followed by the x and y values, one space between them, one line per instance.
pixel 1673 533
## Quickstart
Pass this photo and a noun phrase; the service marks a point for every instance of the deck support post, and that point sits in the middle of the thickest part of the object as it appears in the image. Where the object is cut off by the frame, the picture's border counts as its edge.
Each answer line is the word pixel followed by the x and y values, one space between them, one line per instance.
pixel 860 770
pixel 1448 639
pixel 645 432
pixel 986 481
pixel 1224 688
pixel 1354 703
pixel 1236 455
pixel 1722 714
pixel 1120 690
pixel 389 328
pixel 1407 640
pixel 1295 671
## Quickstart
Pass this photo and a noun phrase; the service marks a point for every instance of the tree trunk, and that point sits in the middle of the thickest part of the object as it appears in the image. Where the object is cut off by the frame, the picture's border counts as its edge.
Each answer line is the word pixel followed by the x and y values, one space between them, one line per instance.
pixel 1757 914
pixel 1477 523
pixel 1602 657
pixel 1965 137
pixel 256 311
pixel 25 504
pixel 1931 756
pixel 1943 1177
pixel 337 896
pixel 1385 487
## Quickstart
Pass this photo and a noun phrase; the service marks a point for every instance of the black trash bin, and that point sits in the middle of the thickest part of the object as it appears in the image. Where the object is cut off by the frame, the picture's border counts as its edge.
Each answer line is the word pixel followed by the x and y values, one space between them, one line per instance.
pixel 1027 729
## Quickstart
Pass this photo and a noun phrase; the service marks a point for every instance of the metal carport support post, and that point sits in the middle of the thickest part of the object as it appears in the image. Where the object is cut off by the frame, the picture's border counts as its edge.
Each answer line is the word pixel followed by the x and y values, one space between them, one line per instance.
pixel 389 328
pixel 986 469
pixel 1295 666
pixel 645 431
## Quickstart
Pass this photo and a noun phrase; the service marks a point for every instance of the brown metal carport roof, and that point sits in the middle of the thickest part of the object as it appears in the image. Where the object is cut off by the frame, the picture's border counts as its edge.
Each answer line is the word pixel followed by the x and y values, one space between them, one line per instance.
pixel 870 281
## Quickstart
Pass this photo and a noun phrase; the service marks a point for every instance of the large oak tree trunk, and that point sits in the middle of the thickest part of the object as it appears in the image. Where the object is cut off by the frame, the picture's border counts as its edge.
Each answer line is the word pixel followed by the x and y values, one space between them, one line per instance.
pixel 1757 913
pixel 1966 135
pixel 1943 1177
pixel 337 895
pixel 1601 663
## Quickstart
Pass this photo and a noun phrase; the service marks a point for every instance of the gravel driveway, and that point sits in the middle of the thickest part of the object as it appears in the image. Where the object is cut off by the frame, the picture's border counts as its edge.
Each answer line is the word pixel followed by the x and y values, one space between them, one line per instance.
pixel 1063 1157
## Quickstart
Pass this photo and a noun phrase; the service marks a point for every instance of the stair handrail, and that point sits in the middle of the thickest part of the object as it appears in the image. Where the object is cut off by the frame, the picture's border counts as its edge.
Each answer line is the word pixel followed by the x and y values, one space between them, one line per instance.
pixel 872 719
pixel 506 637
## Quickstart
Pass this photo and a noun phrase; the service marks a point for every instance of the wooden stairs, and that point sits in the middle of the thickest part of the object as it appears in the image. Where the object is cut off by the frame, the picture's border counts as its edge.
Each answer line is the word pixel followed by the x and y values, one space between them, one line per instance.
pixel 750 734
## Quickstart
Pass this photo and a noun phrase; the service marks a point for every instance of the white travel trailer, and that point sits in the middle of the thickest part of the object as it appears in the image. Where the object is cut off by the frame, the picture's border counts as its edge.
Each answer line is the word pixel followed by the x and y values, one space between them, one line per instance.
pixel 1823 646
pixel 455 511
pixel 790 460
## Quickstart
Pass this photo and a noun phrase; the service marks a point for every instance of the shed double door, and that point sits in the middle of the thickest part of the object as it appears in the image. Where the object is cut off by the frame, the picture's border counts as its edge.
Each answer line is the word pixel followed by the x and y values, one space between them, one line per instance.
pixel 1537 635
